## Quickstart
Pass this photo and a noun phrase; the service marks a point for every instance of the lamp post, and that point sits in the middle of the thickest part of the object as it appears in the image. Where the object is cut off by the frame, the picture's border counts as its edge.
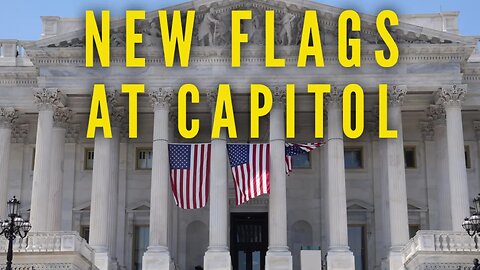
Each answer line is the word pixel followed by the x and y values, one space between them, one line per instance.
pixel 13 227
pixel 472 224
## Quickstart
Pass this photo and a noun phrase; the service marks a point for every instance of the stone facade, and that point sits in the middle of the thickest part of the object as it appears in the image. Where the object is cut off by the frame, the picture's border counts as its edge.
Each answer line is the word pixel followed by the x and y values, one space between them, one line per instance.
pixel 45 93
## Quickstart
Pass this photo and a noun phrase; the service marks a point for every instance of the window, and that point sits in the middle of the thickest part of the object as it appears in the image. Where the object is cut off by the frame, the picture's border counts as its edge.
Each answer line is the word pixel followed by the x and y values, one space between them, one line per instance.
pixel 353 158
pixel 144 159
pixel 301 161
pixel 410 157
pixel 468 161
pixel 85 232
pixel 89 155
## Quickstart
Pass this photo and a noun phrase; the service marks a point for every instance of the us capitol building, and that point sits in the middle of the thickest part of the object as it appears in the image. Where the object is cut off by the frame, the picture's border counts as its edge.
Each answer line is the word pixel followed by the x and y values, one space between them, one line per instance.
pixel 357 204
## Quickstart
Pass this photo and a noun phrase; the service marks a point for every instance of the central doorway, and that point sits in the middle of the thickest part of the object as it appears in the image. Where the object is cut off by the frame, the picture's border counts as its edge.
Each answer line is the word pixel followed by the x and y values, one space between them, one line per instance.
pixel 248 240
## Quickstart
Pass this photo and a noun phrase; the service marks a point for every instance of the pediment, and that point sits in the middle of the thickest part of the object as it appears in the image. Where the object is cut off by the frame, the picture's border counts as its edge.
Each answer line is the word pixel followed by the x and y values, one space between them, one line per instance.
pixel 84 207
pixel 205 30
pixel 139 206
pixel 359 206
pixel 416 206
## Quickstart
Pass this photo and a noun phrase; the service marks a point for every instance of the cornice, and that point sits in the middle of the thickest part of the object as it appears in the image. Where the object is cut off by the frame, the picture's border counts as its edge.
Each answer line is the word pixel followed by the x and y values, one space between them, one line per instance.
pixel 252 54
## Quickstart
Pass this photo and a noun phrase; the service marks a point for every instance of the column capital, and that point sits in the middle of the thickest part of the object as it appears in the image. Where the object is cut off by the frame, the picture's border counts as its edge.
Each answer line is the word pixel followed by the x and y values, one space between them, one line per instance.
pixel 8 117
pixel 117 116
pixel 436 114
pixel 335 97
pixel 372 126
pixel 372 129
pixel 212 100
pixel 73 131
pixel 161 98
pixel 451 95
pixel 396 94
pixel 112 98
pixel 61 117
pixel 279 95
pixel 426 128
pixel 19 133
pixel 172 118
pixel 476 127
pixel 48 99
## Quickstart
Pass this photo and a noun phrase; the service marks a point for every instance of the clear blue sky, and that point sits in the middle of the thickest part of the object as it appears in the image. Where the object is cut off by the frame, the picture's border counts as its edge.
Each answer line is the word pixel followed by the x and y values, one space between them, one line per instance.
pixel 20 19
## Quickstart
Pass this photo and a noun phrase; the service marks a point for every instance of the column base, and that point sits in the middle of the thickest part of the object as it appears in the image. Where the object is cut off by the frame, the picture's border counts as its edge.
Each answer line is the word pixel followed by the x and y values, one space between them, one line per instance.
pixel 103 261
pixel 157 259
pixel 217 260
pixel 340 260
pixel 278 260
pixel 394 260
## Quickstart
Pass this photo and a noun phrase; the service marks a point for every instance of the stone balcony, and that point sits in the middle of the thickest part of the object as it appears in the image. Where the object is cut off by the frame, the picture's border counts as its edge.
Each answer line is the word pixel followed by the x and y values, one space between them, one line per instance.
pixel 49 250
pixel 444 250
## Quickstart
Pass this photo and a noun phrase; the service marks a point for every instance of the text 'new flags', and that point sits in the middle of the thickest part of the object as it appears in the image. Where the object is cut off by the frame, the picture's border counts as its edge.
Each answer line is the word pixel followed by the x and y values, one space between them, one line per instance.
pixel 190 174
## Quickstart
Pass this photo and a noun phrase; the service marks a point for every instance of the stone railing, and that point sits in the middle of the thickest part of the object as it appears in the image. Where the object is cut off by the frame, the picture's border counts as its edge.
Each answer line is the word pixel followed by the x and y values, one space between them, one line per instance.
pixel 46 243
pixel 429 248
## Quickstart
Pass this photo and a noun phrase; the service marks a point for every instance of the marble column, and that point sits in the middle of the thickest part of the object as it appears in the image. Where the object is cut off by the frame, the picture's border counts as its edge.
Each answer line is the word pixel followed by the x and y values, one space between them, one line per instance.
pixel 8 116
pixel 278 254
pixel 430 159
pixel 104 190
pixel 476 128
pixel 451 97
pixel 69 165
pixel 437 115
pixel 158 256
pixel 339 255
pixel 47 100
pixel 61 117
pixel 379 191
pixel 117 117
pixel 17 163
pixel 173 237
pixel 217 256
pixel 396 183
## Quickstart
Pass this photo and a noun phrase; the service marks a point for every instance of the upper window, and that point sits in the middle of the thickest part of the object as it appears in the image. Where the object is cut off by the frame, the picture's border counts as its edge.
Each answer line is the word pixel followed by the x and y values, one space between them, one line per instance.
pixel 353 158
pixel 468 160
pixel 144 159
pixel 410 157
pixel 89 155
pixel 301 161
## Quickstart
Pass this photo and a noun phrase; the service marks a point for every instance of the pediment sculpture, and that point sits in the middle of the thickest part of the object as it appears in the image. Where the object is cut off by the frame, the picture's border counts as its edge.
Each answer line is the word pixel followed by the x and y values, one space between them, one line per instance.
pixel 213 24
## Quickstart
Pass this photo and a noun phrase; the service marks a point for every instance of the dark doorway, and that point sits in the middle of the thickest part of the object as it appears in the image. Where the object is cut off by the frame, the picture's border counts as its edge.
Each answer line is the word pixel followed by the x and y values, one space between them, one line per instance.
pixel 248 240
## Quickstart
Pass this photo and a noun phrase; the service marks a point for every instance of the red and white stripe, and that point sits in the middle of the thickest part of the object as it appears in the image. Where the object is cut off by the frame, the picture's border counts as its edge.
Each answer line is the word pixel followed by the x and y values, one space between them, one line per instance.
pixel 191 186
pixel 253 179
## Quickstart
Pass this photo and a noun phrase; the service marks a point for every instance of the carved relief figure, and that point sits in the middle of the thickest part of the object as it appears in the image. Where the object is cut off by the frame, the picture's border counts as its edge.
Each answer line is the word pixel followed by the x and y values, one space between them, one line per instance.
pixel 208 28
pixel 253 27
pixel 286 28
pixel 152 34
pixel 117 38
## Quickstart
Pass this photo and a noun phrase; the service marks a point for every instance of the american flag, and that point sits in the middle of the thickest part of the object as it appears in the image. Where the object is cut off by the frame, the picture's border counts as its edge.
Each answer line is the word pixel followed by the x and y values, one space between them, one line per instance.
pixel 293 149
pixel 190 174
pixel 250 165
